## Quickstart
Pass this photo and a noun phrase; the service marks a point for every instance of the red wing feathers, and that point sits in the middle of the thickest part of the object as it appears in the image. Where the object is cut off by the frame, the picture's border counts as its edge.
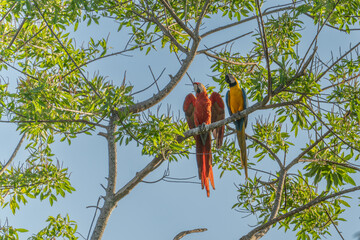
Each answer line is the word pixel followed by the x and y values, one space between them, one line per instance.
pixel 217 114
pixel 189 107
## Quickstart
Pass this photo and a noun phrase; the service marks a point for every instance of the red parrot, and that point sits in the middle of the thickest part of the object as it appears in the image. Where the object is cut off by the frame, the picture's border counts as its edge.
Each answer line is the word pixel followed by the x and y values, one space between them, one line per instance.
pixel 201 110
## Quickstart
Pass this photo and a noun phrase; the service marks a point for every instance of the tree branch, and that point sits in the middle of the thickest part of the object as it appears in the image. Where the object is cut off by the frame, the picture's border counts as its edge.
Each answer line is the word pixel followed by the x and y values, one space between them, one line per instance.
pixel 140 176
pixel 338 60
pixel 202 14
pixel 331 162
pixel 17 32
pixel 282 104
pixel 268 149
pixel 223 43
pixel 232 118
pixel 109 203
pixel 7 13
pixel 316 201
pixel 318 32
pixel 244 21
pixel 297 159
pixel 226 60
pixel 184 233
pixel 177 19
pixel 156 98
pixel 12 155
pixel 167 33
pixel 265 48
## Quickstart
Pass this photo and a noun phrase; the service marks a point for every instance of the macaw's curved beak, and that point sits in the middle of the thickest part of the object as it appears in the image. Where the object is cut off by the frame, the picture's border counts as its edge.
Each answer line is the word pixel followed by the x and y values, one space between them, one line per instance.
pixel 227 78
pixel 196 87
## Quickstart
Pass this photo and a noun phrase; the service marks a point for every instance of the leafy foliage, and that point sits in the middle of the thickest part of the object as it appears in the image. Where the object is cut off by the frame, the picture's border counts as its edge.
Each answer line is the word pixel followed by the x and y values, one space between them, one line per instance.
pixel 58 227
pixel 309 97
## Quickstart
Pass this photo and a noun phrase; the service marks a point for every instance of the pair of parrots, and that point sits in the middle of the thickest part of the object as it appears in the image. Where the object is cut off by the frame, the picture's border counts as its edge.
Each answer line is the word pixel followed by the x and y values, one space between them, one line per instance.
pixel 202 110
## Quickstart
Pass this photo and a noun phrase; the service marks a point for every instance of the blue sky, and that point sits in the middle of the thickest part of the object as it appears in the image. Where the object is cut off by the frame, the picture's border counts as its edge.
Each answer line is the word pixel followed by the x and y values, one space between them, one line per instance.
pixel 161 210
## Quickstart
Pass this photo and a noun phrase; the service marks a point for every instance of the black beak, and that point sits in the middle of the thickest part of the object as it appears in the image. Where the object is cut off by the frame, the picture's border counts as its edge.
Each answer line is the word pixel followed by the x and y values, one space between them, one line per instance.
pixel 198 90
pixel 227 79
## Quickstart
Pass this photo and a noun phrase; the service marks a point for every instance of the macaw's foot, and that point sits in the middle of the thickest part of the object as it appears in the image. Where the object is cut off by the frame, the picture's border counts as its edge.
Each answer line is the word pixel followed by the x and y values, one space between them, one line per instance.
pixel 203 127
pixel 203 134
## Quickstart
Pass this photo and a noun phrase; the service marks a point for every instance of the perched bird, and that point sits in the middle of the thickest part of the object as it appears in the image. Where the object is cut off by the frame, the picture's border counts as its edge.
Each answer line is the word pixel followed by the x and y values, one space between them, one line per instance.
pixel 201 110
pixel 236 101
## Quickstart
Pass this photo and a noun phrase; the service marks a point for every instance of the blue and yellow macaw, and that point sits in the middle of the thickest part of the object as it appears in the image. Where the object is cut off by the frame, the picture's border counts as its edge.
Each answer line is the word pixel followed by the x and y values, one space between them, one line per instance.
pixel 236 101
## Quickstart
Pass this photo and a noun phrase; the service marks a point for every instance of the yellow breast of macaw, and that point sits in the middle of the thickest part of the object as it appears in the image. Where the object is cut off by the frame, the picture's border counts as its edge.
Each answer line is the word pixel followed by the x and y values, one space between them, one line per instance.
pixel 236 100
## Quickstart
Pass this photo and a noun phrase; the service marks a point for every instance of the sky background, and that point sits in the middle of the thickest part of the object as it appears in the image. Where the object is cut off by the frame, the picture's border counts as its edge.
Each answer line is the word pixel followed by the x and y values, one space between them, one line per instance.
pixel 161 210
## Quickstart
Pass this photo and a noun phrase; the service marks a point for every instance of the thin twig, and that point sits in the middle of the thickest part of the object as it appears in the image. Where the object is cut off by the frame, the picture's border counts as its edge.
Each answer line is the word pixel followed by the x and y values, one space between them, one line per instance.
pixel 177 19
pixel 268 149
pixel 184 233
pixel 229 61
pixel 7 13
pixel 92 222
pixel 223 43
pixel 17 32
pixel 333 223
pixel 244 21
pixel 12 155
pixel 265 48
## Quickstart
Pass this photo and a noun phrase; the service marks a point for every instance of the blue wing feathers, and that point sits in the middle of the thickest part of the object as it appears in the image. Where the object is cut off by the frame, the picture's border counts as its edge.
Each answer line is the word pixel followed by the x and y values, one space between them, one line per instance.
pixel 227 102
pixel 245 98
pixel 246 103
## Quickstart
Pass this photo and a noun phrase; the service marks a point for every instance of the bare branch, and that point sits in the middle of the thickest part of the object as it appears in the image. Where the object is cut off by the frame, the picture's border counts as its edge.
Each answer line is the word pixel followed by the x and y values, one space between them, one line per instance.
pixel 33 36
pixel 109 203
pixel 202 15
pixel 223 43
pixel 330 129
pixel 155 82
pixel 184 233
pixel 297 159
pixel 18 70
pixel 340 83
pixel 12 155
pixel 112 54
pixel 265 48
pixel 338 60
pixel 227 60
pixel 139 177
pixel 318 32
pixel 300 72
pixel 141 106
pixel 327 213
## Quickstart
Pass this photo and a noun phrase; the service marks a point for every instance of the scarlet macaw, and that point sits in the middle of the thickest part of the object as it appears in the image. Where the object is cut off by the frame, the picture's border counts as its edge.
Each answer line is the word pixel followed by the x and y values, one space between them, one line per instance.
pixel 201 110
pixel 236 101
